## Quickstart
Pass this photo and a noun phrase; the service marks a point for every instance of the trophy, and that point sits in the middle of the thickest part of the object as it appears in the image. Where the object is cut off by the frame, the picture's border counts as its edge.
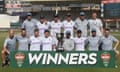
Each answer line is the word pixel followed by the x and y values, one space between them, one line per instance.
pixel 60 37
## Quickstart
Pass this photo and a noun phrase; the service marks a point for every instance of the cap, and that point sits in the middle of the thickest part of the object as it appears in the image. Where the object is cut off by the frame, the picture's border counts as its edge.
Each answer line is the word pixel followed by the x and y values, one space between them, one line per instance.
pixel 79 31
pixel 93 30
pixel 82 14
pixel 29 14
pixel 67 32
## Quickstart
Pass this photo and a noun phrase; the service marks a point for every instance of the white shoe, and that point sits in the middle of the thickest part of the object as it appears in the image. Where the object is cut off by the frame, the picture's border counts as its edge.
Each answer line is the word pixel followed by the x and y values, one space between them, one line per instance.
pixel 116 66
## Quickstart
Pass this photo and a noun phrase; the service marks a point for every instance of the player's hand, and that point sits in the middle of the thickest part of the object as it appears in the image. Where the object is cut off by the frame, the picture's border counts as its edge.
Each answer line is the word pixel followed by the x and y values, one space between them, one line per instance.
pixel 116 51
pixel 8 52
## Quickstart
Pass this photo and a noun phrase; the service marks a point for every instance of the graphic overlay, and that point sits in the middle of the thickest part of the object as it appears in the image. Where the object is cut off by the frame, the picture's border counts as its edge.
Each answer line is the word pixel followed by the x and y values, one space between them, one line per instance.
pixel 75 59
pixel 105 56
pixel 19 57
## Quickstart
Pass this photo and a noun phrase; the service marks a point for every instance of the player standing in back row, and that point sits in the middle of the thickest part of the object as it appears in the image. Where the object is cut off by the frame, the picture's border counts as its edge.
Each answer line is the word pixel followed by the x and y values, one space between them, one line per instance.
pixel 42 26
pixel 30 25
pixel 55 26
pixel 96 23
pixel 82 24
pixel 68 25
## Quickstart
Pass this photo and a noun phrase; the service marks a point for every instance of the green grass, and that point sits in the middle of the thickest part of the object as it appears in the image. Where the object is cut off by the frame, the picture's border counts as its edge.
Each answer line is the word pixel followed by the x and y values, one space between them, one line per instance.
pixel 8 69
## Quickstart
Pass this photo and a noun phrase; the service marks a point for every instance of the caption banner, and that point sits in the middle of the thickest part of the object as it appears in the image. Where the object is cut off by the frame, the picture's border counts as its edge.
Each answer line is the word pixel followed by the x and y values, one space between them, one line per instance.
pixel 75 59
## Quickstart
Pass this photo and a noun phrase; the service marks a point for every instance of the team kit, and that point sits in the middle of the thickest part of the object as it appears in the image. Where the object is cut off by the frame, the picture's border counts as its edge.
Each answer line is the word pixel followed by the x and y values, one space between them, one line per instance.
pixel 68 35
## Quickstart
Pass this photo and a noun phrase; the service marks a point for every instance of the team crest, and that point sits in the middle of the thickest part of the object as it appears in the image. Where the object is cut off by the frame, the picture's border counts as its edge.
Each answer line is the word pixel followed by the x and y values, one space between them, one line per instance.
pixel 105 58
pixel 19 57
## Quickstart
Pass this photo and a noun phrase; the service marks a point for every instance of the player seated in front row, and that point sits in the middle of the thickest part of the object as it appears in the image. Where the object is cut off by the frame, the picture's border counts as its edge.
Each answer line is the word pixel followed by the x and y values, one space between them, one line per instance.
pixel 35 41
pixel 68 43
pixel 9 45
pixel 79 41
pixel 47 42
pixel 107 41
pixel 93 41
pixel 23 41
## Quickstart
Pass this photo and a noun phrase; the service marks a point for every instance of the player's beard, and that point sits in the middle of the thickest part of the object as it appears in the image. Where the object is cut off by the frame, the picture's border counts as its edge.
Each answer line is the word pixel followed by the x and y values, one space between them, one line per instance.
pixel 23 35
pixel 67 37
pixel 29 19
pixel 11 37
pixel 93 35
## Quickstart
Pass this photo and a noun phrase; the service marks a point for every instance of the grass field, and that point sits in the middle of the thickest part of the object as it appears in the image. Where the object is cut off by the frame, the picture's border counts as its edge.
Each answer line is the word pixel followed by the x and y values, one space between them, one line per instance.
pixel 8 69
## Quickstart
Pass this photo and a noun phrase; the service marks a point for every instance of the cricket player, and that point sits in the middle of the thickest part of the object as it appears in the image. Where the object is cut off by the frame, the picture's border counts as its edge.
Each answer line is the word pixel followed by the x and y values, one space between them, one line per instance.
pixel 47 42
pixel 107 42
pixel 29 24
pixel 82 24
pixel 42 26
pixel 79 41
pixel 96 23
pixel 9 45
pixel 68 25
pixel 35 41
pixel 55 26
pixel 68 43
pixel 23 41
pixel 93 41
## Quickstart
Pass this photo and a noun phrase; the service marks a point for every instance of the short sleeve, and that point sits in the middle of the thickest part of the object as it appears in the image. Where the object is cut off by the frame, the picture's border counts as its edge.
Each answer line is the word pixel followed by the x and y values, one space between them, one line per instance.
pixel 87 41
pixel 23 25
pixel 72 44
pixel 53 41
pixel 100 22
pixel 5 42
pixel 37 24
pixel 62 24
pixel 29 41
pixel 114 39
pixel 17 38
pixel 73 23
pixel 89 22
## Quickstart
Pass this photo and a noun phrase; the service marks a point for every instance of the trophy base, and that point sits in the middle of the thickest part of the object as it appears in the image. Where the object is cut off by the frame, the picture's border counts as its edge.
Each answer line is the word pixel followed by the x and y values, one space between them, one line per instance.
pixel 60 50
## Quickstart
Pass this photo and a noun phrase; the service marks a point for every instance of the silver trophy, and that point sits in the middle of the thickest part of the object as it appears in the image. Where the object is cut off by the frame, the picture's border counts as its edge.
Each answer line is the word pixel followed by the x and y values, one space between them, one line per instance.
pixel 60 37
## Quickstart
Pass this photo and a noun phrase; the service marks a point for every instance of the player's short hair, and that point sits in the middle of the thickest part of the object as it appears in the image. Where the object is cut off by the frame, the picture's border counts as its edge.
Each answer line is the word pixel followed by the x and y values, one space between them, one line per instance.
pixel 56 15
pixel 42 17
pixel 107 29
pixel 36 30
pixel 94 13
pixel 79 31
pixel 46 31
pixel 23 29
